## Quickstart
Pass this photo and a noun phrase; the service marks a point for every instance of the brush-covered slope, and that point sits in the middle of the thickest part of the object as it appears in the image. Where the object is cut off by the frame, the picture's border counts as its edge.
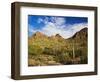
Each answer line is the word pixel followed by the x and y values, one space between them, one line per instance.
pixel 55 50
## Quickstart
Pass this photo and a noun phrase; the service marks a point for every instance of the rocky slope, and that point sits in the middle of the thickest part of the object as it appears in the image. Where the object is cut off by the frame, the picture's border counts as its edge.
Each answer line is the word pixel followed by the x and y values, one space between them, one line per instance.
pixel 56 49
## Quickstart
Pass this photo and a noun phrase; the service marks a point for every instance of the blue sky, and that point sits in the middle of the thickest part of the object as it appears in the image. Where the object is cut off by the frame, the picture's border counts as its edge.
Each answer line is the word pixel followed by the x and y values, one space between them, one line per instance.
pixel 52 25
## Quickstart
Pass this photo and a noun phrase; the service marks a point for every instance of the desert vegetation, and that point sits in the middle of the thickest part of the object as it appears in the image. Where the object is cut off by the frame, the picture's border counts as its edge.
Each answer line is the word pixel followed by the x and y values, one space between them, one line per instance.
pixel 55 50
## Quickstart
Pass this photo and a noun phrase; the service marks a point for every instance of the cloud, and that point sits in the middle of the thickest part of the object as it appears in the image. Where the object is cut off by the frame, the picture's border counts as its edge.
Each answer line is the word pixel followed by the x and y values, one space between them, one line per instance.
pixel 31 30
pixel 58 21
pixel 51 29
pixel 40 20
pixel 76 27
pixel 46 20
pixel 57 25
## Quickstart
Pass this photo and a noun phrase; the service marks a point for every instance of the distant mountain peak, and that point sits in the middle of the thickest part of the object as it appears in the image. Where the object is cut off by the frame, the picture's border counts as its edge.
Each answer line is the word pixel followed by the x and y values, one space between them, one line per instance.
pixel 38 33
pixel 84 29
pixel 81 34
pixel 58 35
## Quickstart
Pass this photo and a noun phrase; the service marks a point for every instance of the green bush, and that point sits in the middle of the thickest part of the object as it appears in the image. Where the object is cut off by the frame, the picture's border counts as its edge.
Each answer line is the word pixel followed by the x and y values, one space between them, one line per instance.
pixel 51 51
pixel 35 50
pixel 63 58
pixel 78 53
pixel 84 60
pixel 48 51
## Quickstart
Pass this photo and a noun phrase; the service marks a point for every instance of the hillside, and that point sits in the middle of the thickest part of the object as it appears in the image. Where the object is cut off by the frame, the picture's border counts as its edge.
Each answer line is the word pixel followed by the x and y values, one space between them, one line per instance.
pixel 55 50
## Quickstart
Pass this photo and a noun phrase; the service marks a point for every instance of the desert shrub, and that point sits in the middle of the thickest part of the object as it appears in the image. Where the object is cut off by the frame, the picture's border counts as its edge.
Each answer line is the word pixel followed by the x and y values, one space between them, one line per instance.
pixel 84 56
pixel 84 60
pixel 30 49
pixel 48 51
pixel 63 58
pixel 83 44
pixel 35 50
pixel 60 55
pixel 78 53
pixel 70 53
pixel 51 51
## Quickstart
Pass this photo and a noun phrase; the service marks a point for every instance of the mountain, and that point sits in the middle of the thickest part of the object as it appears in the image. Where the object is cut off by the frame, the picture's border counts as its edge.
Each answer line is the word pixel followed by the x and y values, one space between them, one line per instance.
pixel 58 36
pixel 80 38
pixel 54 50
pixel 39 35
pixel 82 34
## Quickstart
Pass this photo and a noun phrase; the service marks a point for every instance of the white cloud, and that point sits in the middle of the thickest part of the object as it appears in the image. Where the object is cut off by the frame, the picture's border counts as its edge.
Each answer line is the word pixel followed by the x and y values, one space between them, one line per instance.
pixel 40 20
pixel 77 27
pixel 46 20
pixel 51 29
pixel 56 25
pixel 31 29
pixel 58 21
